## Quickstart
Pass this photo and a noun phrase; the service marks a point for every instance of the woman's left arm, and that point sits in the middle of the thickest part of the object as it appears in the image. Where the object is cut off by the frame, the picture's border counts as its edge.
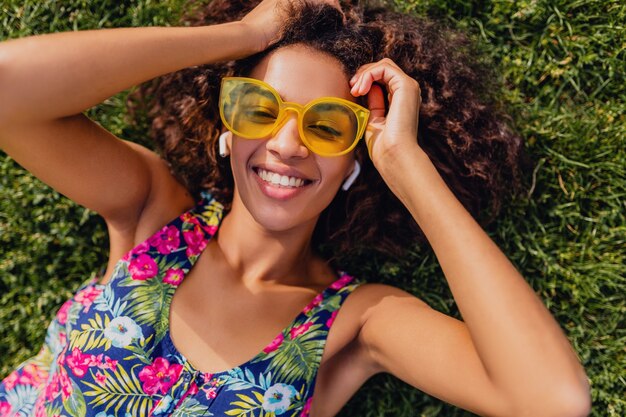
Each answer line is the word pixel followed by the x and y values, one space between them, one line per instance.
pixel 524 352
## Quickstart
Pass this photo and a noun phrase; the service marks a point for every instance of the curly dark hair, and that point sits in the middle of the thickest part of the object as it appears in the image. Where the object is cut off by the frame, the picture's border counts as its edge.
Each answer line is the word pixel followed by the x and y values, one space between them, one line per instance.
pixel 462 126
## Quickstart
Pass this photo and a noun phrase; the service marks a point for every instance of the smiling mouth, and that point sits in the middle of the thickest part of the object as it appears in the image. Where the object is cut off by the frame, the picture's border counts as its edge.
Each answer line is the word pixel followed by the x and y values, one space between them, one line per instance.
pixel 279 180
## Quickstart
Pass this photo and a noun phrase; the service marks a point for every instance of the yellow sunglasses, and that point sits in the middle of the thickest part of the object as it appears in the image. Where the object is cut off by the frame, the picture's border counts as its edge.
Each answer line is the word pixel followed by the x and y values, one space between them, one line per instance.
pixel 328 126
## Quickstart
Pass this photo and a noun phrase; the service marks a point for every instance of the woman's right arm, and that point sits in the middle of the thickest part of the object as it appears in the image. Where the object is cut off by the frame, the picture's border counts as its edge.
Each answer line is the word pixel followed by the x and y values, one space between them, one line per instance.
pixel 47 81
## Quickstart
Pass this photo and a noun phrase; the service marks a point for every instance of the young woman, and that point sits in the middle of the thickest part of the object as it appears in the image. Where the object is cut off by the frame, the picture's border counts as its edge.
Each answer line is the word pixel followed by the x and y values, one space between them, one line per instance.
pixel 282 128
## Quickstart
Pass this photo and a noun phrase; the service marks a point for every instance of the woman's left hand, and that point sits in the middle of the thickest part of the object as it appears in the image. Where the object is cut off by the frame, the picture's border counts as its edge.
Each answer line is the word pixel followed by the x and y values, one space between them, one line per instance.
pixel 392 135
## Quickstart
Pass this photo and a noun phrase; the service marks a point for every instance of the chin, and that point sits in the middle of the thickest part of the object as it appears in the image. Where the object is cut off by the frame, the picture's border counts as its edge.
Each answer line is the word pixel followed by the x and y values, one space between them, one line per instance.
pixel 278 219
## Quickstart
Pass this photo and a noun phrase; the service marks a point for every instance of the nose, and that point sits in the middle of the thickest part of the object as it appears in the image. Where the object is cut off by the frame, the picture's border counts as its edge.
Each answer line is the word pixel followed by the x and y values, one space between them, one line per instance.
pixel 285 140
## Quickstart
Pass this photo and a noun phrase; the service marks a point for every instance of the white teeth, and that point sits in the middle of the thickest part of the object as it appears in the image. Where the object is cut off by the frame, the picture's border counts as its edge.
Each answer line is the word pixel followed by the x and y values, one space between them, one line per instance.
pixel 278 179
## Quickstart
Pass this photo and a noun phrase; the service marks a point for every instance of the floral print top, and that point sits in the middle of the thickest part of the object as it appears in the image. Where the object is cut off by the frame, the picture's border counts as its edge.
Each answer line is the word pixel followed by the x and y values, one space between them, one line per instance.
pixel 108 351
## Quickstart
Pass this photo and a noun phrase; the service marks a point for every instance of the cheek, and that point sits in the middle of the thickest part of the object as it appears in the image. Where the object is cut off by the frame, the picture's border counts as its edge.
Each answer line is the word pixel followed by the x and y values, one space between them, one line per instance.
pixel 335 170
pixel 240 151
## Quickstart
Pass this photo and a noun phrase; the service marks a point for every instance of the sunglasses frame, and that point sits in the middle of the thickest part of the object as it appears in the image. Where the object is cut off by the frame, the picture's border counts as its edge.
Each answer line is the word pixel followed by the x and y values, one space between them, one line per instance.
pixel 360 112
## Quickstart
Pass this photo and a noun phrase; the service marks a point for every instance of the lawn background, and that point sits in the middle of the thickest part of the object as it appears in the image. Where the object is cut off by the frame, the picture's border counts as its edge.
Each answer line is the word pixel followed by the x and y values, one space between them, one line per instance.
pixel 564 67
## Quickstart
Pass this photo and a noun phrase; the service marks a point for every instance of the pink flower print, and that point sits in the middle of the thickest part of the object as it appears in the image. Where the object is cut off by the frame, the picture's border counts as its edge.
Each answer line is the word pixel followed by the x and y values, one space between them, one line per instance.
pixel 52 389
pixel 193 390
pixel 206 376
pixel 66 384
pixel 331 319
pixel 298 330
pixel 143 267
pixel 96 360
pixel 160 376
pixel 143 247
pixel 307 408
pixel 100 378
pixel 40 407
pixel 78 362
pixel 341 282
pixel 210 392
pixel 174 276
pixel 62 338
pixel 210 229
pixel 109 363
pixel 87 296
pixel 10 381
pixel 5 408
pixel 190 218
pixel 166 240
pixel 62 313
pixel 278 340
pixel 316 301
pixel 195 241
pixel 32 375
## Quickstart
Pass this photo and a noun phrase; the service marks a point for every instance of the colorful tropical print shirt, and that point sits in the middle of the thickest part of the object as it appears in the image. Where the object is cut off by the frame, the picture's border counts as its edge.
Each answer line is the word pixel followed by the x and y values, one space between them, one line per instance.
pixel 108 351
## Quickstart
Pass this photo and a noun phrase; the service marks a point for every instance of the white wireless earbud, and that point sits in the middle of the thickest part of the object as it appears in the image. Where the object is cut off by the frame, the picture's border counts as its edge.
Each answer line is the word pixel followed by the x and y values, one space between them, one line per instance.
pixel 222 145
pixel 355 173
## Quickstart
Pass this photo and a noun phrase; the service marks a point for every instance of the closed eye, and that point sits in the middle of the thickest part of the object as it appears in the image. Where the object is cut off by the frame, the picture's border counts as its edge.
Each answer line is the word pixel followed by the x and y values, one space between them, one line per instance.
pixel 327 130
pixel 260 114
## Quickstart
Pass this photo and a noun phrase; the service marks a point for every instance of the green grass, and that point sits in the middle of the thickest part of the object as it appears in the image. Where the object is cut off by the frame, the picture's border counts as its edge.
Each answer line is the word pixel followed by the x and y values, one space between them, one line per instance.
pixel 564 67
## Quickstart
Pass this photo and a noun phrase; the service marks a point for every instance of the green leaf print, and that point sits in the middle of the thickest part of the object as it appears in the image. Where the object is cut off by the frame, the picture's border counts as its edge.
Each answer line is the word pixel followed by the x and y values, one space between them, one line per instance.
pixel 120 390
pixel 91 335
pixel 244 379
pixel 295 358
pixel 332 303
pixel 138 348
pixel 53 410
pixel 191 408
pixel 147 302
pixel 75 403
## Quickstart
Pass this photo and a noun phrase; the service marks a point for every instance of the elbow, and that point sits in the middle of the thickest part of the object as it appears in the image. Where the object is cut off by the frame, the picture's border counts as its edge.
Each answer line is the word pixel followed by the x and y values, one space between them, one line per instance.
pixel 7 87
pixel 578 396
pixel 4 100
pixel 568 403
pixel 578 402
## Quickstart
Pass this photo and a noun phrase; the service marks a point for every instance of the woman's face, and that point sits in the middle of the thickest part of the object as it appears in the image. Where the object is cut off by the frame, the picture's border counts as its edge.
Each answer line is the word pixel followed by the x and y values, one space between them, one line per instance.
pixel 299 74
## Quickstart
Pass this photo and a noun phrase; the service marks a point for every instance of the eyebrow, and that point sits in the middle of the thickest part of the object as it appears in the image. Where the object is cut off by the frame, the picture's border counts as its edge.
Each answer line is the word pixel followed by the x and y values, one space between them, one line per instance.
pixel 261 91
pixel 334 107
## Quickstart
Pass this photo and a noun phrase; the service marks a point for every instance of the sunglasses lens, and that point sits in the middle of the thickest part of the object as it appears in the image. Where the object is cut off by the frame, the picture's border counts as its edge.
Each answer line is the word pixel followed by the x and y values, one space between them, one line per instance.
pixel 330 127
pixel 249 109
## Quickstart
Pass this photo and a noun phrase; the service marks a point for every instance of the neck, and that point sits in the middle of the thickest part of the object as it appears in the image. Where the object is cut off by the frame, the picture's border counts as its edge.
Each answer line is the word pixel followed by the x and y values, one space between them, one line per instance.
pixel 260 256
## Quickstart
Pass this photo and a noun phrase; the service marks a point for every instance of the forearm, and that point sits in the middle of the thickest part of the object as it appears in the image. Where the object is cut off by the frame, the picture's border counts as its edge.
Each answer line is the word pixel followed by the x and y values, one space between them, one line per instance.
pixel 521 346
pixel 55 75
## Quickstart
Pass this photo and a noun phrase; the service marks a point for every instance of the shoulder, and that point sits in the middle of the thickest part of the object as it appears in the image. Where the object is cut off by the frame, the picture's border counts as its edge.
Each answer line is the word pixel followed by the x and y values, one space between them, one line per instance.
pixel 371 297
pixel 374 308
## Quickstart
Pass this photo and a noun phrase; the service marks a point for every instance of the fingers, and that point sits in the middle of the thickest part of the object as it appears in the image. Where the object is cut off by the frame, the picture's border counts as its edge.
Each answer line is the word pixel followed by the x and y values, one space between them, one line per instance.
pixel 404 97
pixel 386 71
pixel 376 102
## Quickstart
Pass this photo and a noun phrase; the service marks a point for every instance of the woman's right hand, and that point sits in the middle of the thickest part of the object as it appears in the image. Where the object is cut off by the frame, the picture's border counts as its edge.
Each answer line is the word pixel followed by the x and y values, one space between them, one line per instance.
pixel 265 20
